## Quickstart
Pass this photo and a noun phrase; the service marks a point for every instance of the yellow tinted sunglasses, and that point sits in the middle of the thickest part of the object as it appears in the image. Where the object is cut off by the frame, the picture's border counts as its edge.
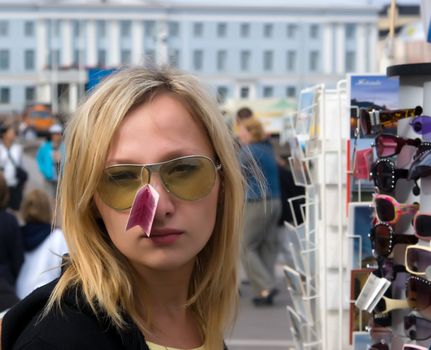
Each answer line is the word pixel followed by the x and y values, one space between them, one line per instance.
pixel 189 178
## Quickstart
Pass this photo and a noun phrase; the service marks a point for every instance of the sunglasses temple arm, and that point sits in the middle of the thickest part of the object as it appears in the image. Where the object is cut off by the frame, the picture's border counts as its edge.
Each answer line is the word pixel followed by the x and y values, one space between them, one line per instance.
pixel 401 173
pixel 393 304
pixel 409 208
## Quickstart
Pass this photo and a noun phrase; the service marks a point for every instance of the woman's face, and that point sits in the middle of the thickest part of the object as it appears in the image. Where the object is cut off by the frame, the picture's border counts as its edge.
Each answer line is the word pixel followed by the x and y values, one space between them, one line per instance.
pixel 155 132
pixel 243 134
pixel 10 135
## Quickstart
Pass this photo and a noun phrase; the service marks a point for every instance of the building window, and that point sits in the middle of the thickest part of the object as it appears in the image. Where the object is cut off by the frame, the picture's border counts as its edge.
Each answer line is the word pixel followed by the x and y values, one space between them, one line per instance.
pixel 4 59
pixel 30 94
pixel 245 60
pixel 150 28
pixel 29 58
pixel 221 60
pixel 101 58
pixel 291 60
pixel 222 92
pixel 76 30
pixel 55 28
pixel 221 30
pixel 267 30
pixel 54 58
pixel 173 29
pixel 150 56
pixel 4 95
pixel 268 58
pixel 198 29
pixel 268 91
pixel 291 30
pixel 244 92
pixel 78 57
pixel 350 31
pixel 29 28
pixel 174 58
pixel 125 29
pixel 245 30
pixel 350 61
pixel 198 58
pixel 4 28
pixel 101 29
pixel 291 91
pixel 314 31
pixel 314 61
pixel 126 56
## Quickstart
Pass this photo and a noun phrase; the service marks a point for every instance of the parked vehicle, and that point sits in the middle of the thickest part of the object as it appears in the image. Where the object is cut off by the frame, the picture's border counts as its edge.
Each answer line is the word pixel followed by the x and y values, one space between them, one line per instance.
pixel 39 117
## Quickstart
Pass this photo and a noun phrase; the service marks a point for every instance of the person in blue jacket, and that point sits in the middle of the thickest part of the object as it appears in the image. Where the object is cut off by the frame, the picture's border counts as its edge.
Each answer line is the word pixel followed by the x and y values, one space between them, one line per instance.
pixel 49 156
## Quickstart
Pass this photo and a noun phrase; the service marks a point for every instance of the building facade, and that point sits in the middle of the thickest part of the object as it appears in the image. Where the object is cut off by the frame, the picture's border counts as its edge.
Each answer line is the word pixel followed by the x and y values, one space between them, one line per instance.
pixel 254 51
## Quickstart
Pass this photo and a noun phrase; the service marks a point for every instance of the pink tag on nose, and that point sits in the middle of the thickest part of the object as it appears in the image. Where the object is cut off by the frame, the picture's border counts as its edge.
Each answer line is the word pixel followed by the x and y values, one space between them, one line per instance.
pixel 144 209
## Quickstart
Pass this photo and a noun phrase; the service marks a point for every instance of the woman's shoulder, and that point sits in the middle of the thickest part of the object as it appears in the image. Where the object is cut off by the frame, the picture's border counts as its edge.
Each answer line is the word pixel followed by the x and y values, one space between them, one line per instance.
pixel 73 326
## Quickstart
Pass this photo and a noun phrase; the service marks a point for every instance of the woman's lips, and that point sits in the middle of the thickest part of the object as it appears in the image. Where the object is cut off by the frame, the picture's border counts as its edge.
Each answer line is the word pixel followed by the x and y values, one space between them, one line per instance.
pixel 164 236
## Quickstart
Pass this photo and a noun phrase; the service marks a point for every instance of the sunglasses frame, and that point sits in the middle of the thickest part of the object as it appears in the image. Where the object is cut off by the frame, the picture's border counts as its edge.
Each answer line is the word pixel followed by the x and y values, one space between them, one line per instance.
pixel 375 120
pixel 412 247
pixel 155 168
pixel 412 346
pixel 422 280
pixel 396 174
pixel 410 322
pixel 394 238
pixel 392 304
pixel 401 142
pixel 399 208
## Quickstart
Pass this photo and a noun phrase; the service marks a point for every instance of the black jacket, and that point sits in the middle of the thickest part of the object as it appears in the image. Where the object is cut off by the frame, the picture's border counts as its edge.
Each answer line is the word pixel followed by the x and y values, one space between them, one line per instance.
pixel 76 327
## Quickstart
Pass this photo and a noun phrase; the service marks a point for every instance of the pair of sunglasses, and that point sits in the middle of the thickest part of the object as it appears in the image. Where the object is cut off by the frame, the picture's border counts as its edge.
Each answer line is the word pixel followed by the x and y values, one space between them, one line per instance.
pixel 189 178
pixel 413 347
pixel 388 145
pixel 390 211
pixel 418 294
pixel 417 328
pixel 385 175
pixel 417 259
pixel 372 121
pixel 422 225
pixel 379 346
pixel 383 239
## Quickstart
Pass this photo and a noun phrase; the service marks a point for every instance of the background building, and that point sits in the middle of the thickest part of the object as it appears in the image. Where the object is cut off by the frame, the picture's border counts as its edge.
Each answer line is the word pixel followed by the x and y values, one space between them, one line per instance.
pixel 253 51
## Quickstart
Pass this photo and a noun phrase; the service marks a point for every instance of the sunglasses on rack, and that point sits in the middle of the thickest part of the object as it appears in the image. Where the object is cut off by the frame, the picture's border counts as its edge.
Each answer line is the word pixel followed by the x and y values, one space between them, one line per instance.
pixel 379 346
pixel 189 178
pixel 422 225
pixel 372 121
pixel 388 145
pixel 418 293
pixel 390 211
pixel 417 259
pixel 387 269
pixel 417 328
pixel 383 239
pixel 385 175
pixel 421 124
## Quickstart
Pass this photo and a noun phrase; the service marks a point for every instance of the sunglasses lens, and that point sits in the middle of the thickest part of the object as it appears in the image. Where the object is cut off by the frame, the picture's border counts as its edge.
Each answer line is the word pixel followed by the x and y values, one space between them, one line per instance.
pixel 418 294
pixel 422 329
pixel 383 176
pixel 418 260
pixel 119 185
pixel 381 238
pixel 189 178
pixel 409 321
pixel 385 210
pixel 386 146
pixel 364 118
pixel 423 225
pixel 379 346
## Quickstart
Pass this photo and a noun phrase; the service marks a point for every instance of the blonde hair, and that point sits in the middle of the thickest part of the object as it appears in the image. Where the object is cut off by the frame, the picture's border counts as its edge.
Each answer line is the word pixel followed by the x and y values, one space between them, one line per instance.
pixel 36 207
pixel 103 273
pixel 255 128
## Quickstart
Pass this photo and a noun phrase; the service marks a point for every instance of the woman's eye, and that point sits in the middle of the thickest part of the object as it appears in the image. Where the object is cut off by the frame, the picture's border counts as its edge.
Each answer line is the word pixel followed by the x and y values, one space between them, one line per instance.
pixel 182 169
pixel 122 176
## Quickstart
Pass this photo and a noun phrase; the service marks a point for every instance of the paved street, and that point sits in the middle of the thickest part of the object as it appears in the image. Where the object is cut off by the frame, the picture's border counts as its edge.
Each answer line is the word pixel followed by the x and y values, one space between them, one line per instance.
pixel 264 328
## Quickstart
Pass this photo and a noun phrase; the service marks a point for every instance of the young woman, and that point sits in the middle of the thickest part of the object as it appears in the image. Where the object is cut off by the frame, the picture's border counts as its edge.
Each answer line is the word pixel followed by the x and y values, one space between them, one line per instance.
pixel 143 133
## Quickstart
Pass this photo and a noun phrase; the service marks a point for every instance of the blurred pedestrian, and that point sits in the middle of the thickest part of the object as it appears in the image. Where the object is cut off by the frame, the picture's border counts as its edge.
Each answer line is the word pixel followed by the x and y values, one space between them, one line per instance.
pixel 263 210
pixel 49 157
pixel 11 164
pixel 11 250
pixel 152 199
pixel 43 245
